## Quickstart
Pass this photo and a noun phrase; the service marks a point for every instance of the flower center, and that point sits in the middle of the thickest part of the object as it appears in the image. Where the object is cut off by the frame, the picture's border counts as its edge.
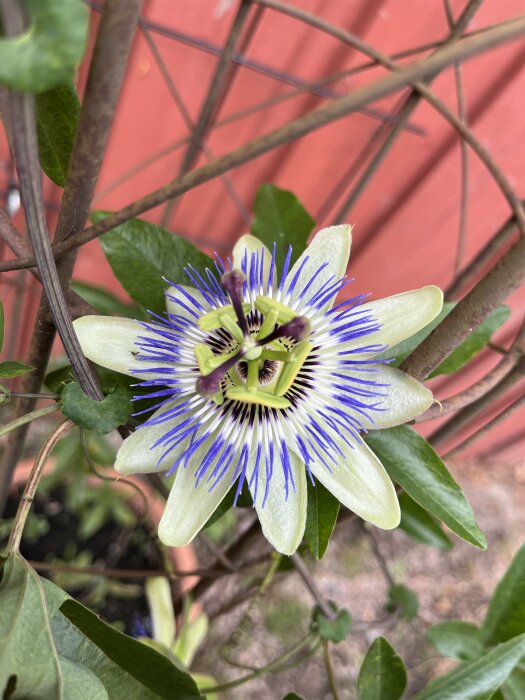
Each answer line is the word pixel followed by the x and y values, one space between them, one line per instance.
pixel 267 356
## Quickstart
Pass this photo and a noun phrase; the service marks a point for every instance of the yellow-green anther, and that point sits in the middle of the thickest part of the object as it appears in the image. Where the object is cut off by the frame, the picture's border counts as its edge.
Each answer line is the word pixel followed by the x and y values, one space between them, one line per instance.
pixel 207 360
pixel 292 368
pixel 218 398
pixel 279 355
pixel 268 324
pixel 203 353
pixel 217 360
pixel 263 398
pixel 212 320
pixel 265 305
pixel 252 381
pixel 232 327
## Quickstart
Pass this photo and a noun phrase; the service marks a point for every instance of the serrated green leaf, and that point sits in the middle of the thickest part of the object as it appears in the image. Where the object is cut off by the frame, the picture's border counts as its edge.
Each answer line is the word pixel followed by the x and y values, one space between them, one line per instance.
pixel 9 369
pixel 332 630
pixel 104 302
pixel 24 618
pixel 403 598
pixel 47 53
pixel 412 463
pixel 456 639
pixel 102 416
pixel 419 525
pixel 472 678
pixel 116 658
pixel 382 675
pixel 321 517
pixel 402 350
pixel 281 218
pixel 57 113
pixel 475 342
pixel 141 254
pixel 506 614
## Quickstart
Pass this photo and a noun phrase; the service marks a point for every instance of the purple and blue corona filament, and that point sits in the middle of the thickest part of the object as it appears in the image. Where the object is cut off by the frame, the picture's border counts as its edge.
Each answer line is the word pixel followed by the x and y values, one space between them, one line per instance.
pixel 332 397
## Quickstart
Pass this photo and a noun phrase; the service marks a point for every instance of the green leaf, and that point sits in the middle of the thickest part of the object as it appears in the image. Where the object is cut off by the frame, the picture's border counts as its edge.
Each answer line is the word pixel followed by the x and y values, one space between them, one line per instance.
pixel 281 218
pixel 402 350
pixel 1 326
pixel 382 675
pixel 57 113
pixel 419 525
pixel 27 650
pixel 506 614
pixel 47 53
pixel 14 369
pixel 58 378
pixel 456 639
pixel 104 302
pixel 114 658
pixel 102 416
pixel 515 685
pixel 292 696
pixel 412 463
pixel 472 678
pixel 332 630
pixel 141 254
pixel 475 342
pixel 402 597
pixel 321 516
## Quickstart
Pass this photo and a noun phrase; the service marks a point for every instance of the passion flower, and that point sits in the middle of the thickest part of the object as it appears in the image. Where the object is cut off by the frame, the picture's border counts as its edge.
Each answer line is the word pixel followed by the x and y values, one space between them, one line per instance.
pixel 261 380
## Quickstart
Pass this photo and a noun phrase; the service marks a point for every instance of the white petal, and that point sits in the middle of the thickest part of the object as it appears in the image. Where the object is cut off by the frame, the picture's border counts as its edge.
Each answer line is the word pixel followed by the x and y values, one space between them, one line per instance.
pixel 249 244
pixel 361 483
pixel 111 342
pixel 282 519
pixel 189 507
pixel 405 397
pixel 402 315
pixel 330 245
pixel 136 455
pixel 179 302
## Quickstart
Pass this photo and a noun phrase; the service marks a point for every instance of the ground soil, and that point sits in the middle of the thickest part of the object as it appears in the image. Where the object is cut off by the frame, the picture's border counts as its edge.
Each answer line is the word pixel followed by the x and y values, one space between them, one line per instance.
pixel 455 584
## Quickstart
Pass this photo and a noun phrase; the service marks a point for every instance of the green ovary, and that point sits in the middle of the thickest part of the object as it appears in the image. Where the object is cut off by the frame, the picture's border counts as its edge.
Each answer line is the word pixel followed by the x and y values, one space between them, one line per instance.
pixel 246 386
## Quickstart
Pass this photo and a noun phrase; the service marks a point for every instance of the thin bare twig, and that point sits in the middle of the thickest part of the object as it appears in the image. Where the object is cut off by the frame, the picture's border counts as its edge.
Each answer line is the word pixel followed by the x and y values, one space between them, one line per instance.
pixel 214 96
pixel 482 259
pixel 330 670
pixel 12 238
pixel 462 114
pixel 497 420
pixel 172 88
pixel 28 496
pixel 506 276
pixel 323 115
pixel 303 572
pixel 481 387
pixel 411 102
pixel 463 417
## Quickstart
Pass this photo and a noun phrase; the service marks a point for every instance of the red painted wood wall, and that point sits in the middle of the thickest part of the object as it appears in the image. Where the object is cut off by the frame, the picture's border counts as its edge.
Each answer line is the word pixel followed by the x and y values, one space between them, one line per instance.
pixel 406 221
